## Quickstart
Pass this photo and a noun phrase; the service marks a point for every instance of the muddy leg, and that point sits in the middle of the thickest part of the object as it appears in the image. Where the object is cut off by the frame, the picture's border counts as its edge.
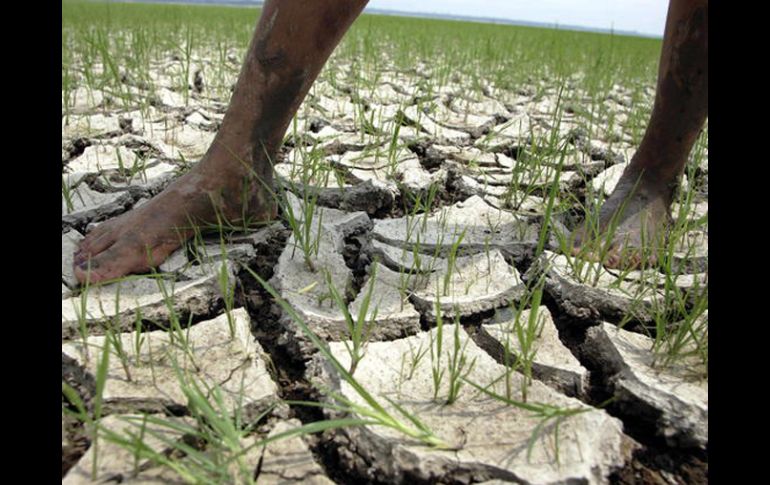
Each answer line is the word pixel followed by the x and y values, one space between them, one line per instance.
pixel 233 181
pixel 640 204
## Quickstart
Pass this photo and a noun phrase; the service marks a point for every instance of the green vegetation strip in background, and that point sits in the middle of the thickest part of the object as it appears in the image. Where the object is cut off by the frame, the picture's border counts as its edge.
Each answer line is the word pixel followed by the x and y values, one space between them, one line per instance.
pixel 506 55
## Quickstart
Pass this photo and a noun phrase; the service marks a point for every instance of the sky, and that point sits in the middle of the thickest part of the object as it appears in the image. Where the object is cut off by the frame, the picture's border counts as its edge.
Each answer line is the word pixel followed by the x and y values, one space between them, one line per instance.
pixel 643 16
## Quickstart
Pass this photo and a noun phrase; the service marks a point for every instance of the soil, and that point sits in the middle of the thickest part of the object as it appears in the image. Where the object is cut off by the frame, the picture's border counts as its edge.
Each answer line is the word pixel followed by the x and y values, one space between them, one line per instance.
pixel 654 462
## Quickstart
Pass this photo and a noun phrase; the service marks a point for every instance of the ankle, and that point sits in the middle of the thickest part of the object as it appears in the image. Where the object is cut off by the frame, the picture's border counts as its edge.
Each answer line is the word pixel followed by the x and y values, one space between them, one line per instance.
pixel 652 173
pixel 248 195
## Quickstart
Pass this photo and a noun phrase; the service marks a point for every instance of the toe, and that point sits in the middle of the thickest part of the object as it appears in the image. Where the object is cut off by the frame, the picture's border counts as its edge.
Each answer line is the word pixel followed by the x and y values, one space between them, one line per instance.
pixel 122 258
pixel 623 258
pixel 94 243
pixel 587 252
pixel 92 248
pixel 114 262
pixel 612 259
pixel 100 230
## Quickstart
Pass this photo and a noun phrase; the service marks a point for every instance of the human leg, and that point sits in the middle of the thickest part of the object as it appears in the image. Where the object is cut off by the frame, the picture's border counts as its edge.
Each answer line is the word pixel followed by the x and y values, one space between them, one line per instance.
pixel 289 48
pixel 638 209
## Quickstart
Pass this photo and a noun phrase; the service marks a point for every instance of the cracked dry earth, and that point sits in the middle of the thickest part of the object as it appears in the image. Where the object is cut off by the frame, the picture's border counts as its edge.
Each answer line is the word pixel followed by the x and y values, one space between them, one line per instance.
pixel 476 254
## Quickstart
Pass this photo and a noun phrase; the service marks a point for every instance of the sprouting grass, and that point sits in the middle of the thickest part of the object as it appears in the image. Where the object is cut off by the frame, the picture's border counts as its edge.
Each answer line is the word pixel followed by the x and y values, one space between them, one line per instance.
pixel 90 417
pixel 415 225
pixel 306 220
pixel 587 265
pixel 122 55
pixel 128 172
pixel 81 311
pixel 112 337
pixel 213 444
pixel 306 228
pixel 680 315
pixel 458 366
pixel 373 410
pixel 227 289
pixel 681 329
pixel 452 261
pixel 66 193
pixel 405 276
pixel 139 337
pixel 359 328
pixel 67 84
pixel 215 447
pixel 509 57
pixel 393 148
pixel 415 357
pixel 552 194
pixel 544 412
pixel 417 210
pixel 526 334
pixel 225 280
pixel 178 333
pixel 210 449
pixel 436 343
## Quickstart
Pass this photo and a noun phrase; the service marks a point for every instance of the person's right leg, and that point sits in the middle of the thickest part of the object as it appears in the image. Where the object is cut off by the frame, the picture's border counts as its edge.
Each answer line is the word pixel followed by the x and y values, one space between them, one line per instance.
pixel 641 201
pixel 289 48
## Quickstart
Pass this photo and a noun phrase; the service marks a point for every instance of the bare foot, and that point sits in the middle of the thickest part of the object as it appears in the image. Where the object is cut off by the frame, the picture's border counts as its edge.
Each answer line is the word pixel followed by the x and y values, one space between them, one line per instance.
pixel 632 223
pixel 144 237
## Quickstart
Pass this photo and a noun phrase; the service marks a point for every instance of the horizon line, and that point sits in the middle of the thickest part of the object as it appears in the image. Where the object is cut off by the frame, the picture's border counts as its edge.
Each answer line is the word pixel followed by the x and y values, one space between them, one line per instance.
pixel 430 15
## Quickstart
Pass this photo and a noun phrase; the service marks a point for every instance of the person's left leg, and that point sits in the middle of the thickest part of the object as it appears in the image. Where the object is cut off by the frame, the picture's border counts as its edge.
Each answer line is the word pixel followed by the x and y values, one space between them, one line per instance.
pixel 640 204
pixel 233 181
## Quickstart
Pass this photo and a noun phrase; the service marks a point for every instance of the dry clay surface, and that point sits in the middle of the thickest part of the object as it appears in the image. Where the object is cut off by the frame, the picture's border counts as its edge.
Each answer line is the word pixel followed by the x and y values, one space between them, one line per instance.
pixel 465 261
